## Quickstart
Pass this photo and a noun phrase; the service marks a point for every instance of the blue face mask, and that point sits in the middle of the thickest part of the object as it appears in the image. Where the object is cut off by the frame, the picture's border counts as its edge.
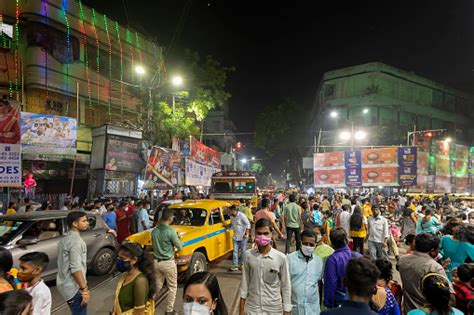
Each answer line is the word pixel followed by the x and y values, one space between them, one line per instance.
pixel 193 308
pixel 122 265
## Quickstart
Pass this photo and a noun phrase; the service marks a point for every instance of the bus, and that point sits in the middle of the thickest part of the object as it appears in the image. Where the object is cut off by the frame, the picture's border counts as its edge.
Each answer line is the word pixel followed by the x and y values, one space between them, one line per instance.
pixel 232 186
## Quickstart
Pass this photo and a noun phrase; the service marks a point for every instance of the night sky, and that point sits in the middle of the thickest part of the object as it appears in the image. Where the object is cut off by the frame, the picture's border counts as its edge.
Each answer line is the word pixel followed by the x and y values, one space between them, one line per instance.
pixel 282 50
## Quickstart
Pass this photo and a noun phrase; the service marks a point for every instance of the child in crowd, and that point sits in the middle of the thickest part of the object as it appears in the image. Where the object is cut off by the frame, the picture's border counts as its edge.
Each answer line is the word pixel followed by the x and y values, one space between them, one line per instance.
pixel 462 277
pixel 32 266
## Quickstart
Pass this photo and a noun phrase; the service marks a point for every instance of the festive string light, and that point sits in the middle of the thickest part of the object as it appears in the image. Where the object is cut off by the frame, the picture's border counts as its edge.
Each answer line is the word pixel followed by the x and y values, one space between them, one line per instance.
pixel 86 60
pixel 119 40
pixel 110 63
pixel 44 5
pixel 17 43
pixel 97 61
pixel 4 38
pixel 129 41
pixel 68 51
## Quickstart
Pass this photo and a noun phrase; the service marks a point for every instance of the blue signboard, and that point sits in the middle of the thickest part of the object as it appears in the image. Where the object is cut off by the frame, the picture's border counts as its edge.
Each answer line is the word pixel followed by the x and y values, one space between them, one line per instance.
pixel 407 166
pixel 353 170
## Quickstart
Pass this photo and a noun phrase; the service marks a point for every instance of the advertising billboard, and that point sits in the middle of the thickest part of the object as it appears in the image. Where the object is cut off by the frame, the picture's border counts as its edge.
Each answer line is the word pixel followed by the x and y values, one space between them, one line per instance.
pixel 204 155
pixel 330 178
pixel 329 160
pixel 380 156
pixel 162 169
pixel 353 168
pixel 380 176
pixel 10 148
pixel 198 174
pixel 48 134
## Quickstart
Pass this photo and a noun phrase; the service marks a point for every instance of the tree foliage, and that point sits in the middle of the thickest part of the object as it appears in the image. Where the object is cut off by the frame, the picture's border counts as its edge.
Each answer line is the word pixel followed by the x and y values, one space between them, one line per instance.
pixel 203 90
pixel 256 167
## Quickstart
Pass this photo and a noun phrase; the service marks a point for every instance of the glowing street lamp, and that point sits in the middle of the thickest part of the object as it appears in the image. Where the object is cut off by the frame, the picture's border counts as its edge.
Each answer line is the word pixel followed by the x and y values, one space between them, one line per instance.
pixel 333 114
pixel 140 70
pixel 365 111
pixel 177 80
pixel 345 135
pixel 253 158
pixel 360 135
pixel 244 161
pixel 448 140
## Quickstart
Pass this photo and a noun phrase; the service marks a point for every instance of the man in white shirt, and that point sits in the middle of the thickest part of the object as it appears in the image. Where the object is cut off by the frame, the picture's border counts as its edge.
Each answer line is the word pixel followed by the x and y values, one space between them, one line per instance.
pixel 343 219
pixel 378 235
pixel 266 286
pixel 32 266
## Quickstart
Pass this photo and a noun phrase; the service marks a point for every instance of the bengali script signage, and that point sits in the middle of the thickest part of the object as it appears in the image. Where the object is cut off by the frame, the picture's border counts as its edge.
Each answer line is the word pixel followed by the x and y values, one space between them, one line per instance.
pixel 162 169
pixel 48 134
pixel 407 170
pixel 353 165
pixel 10 148
pixel 204 155
pixel 198 174
pixel 123 154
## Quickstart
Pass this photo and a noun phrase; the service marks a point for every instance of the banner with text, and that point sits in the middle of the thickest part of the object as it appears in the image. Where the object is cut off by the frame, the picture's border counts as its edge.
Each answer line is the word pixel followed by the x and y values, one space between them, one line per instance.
pixel 123 154
pixel 198 174
pixel 204 155
pixel 48 134
pixel 10 148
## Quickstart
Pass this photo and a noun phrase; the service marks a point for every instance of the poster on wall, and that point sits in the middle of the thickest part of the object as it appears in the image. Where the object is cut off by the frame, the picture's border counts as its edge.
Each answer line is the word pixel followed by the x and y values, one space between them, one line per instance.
pixel 10 148
pixel 198 174
pixel 181 146
pixel 48 134
pixel 162 169
pixel 330 178
pixel 123 154
pixel 204 155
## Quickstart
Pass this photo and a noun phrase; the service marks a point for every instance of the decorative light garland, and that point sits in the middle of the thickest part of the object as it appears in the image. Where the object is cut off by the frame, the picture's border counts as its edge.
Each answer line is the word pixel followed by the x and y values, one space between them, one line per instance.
pixel 17 43
pixel 94 22
pixel 4 41
pixel 110 63
pixel 68 51
pixel 129 41
pixel 44 5
pixel 86 60
pixel 117 30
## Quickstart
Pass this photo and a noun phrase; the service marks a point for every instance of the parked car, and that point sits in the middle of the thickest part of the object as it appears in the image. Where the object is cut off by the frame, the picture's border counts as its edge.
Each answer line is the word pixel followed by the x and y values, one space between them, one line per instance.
pixel 41 231
pixel 155 213
pixel 199 224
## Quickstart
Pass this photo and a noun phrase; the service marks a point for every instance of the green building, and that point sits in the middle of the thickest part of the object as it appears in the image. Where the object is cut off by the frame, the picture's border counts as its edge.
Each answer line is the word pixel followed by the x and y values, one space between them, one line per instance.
pixel 378 98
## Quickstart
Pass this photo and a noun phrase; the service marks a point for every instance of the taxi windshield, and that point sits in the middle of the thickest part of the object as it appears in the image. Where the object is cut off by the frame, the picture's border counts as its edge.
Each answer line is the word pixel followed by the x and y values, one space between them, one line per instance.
pixel 9 229
pixel 189 217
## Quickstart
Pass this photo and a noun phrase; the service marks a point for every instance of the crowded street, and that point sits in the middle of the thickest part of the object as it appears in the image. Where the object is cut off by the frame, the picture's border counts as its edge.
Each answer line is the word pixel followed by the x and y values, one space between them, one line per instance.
pixel 184 157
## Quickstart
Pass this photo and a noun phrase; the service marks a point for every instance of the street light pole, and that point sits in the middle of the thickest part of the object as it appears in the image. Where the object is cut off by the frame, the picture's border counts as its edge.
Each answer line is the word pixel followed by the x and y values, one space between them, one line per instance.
pixel 352 135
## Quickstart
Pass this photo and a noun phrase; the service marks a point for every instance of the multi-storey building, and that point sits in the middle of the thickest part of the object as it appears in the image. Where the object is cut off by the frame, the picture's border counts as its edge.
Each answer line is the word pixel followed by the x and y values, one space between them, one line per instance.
pixel 53 50
pixel 375 94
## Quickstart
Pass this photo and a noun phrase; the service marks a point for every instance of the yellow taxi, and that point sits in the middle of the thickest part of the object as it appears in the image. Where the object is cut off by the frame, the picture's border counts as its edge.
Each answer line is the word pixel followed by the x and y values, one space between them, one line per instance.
pixel 205 232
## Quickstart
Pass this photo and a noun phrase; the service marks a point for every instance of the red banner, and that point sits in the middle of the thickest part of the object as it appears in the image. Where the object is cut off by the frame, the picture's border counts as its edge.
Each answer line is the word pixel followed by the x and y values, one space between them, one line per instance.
pixel 381 156
pixel 330 178
pixel 330 159
pixel 385 176
pixel 204 155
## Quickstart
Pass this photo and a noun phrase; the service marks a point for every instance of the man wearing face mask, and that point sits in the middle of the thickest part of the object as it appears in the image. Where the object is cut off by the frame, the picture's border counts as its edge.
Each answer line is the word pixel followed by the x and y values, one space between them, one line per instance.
pixel 413 267
pixel 265 288
pixel 378 235
pixel 305 272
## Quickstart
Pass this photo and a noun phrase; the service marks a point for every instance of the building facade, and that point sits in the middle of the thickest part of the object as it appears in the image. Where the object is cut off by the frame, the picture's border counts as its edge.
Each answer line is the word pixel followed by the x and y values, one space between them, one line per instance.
pixel 376 95
pixel 63 58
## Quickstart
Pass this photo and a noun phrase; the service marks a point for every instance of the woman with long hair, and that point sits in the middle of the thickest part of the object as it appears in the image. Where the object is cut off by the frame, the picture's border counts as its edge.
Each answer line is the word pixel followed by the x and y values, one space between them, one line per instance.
pixel 358 229
pixel 409 219
pixel 202 295
pixel 437 293
pixel 457 247
pixel 137 285
pixel 6 263
pixel 17 302
pixel 385 300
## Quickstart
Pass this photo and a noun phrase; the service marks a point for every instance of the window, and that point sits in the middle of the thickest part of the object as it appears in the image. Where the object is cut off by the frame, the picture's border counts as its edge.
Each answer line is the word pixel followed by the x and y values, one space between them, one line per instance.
pixel 244 186
pixel 215 217
pixel 9 229
pixel 45 230
pixel 222 187
pixel 329 91
pixel 54 41
pixel 92 222
pixel 189 216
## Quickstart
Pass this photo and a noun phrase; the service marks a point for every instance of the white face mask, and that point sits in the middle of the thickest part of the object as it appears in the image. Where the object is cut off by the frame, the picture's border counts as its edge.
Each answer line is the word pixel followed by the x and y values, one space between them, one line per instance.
pixel 193 308
pixel 318 238
pixel 307 250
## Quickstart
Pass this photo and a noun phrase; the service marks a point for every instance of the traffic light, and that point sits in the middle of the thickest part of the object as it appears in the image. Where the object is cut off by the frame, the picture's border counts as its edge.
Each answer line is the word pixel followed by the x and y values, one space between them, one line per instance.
pixel 429 134
pixel 238 145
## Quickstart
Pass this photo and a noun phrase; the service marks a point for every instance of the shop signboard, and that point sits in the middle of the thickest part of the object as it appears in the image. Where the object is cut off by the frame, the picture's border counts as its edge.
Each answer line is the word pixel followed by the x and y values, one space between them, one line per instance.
pixel 10 148
pixel 123 154
pixel 48 134
pixel 162 169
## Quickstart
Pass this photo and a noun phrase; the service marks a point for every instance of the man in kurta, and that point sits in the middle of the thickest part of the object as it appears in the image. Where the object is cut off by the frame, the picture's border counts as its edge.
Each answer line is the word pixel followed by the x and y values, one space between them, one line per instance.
pixel 305 272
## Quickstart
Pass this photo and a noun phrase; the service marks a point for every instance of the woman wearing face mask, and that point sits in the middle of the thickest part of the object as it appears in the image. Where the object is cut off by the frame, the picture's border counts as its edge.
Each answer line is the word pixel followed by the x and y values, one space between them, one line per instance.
pixel 137 285
pixel 202 295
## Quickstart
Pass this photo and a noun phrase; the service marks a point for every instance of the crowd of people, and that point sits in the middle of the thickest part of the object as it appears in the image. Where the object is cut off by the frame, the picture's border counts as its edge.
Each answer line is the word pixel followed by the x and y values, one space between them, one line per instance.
pixel 340 256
